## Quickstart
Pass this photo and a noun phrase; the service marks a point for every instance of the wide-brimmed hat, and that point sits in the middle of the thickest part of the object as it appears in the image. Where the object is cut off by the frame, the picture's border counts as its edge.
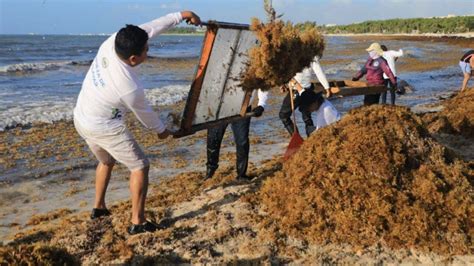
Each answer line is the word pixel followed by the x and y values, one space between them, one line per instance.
pixel 376 48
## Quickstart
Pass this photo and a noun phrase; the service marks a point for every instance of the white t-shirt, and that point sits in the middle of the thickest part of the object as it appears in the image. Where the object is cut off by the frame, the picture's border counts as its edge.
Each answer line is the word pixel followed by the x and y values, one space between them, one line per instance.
pixel 304 77
pixel 111 86
pixel 326 115
pixel 390 56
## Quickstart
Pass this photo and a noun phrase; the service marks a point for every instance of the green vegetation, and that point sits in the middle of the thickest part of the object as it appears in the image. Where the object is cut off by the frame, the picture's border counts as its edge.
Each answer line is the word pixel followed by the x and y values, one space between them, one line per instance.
pixel 185 30
pixel 415 25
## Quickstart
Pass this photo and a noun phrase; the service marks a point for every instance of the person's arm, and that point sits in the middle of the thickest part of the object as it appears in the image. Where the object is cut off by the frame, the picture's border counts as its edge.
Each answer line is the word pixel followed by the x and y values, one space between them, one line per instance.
pixel 361 73
pixel 136 102
pixel 320 74
pixel 262 101
pixel 159 25
pixel 262 98
pixel 396 54
pixel 465 81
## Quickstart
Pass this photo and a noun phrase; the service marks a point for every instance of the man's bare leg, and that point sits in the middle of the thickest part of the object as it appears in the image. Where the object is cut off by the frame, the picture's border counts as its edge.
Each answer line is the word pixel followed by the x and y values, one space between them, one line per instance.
pixel 102 178
pixel 138 189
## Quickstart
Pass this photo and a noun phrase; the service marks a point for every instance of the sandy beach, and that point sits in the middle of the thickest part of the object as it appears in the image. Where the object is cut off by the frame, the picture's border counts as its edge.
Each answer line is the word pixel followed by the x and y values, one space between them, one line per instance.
pixel 292 211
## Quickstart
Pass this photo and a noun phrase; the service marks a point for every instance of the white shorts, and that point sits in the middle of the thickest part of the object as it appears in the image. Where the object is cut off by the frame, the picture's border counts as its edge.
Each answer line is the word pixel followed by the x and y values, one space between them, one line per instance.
pixel 466 67
pixel 117 144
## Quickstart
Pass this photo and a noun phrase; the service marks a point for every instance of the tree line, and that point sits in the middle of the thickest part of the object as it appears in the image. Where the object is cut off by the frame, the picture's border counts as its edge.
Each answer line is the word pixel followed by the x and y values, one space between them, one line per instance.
pixel 392 26
pixel 459 24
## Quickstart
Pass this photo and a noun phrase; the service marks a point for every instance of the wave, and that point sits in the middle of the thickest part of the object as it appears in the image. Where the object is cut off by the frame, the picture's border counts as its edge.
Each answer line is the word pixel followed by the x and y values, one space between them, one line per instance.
pixel 40 66
pixel 352 67
pixel 167 95
pixel 52 110
pixel 35 67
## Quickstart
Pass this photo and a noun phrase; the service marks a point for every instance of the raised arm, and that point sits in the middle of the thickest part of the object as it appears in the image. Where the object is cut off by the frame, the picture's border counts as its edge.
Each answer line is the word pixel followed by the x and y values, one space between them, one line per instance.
pixel 162 24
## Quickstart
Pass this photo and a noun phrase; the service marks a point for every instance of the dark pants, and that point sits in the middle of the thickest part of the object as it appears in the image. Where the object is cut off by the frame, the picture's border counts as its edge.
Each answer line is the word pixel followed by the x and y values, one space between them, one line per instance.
pixel 215 135
pixel 370 99
pixel 388 84
pixel 285 115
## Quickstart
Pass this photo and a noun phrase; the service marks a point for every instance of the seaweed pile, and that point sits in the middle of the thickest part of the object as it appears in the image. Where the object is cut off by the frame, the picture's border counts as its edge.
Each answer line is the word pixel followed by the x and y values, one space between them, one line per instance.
pixel 375 177
pixel 457 117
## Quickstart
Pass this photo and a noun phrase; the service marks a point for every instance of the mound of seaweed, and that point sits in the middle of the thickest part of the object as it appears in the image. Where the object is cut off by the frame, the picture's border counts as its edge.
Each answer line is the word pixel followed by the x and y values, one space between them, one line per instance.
pixel 284 49
pixel 457 117
pixel 375 177
pixel 35 255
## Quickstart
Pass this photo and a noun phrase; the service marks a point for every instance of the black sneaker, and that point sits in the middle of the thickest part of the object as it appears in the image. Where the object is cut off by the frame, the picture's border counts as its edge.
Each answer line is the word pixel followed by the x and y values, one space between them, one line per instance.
pixel 97 213
pixel 209 173
pixel 244 178
pixel 142 228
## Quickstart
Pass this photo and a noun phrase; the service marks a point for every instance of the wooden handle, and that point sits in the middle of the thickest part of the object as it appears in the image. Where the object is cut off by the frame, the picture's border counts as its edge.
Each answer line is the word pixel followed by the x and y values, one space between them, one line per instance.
pixel 290 91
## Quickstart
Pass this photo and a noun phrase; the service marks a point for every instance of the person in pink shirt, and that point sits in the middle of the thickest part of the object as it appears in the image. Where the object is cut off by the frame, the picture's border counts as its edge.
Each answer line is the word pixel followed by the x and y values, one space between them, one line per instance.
pixel 373 69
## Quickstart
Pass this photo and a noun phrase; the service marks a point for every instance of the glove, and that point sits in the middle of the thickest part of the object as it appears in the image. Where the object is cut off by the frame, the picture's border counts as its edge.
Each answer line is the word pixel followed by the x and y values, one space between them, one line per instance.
pixel 355 79
pixel 258 111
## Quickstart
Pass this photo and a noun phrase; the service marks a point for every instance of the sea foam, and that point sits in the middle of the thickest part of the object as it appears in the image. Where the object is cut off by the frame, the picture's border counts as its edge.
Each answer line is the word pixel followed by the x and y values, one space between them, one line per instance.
pixel 49 111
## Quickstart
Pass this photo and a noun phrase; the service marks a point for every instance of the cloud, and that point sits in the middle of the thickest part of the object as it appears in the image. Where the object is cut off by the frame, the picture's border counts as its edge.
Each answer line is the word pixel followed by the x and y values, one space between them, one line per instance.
pixel 171 5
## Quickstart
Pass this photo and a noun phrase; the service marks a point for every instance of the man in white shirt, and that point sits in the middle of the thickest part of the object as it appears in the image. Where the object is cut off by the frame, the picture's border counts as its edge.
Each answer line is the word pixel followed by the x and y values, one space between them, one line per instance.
pixel 110 87
pixel 240 129
pixel 302 82
pixel 390 56
pixel 325 112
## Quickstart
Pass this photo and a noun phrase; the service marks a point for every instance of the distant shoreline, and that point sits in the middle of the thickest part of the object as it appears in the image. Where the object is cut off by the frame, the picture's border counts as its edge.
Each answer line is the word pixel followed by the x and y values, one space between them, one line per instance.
pixel 437 35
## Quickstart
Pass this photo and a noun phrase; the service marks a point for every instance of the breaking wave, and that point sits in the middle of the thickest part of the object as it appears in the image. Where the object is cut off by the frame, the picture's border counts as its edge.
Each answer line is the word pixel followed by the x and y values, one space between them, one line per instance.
pixel 40 66
pixel 49 111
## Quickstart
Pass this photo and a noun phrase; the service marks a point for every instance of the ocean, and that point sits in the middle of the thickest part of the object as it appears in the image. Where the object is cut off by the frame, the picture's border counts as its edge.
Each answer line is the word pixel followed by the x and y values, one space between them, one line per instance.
pixel 41 75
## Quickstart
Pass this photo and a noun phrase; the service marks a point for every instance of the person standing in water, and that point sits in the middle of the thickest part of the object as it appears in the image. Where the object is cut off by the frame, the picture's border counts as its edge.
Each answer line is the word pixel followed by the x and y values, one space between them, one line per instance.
pixel 391 57
pixel 374 68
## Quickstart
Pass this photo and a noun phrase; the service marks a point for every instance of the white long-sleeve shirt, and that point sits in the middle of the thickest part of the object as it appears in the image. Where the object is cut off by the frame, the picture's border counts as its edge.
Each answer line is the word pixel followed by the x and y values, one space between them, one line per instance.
pixel 111 86
pixel 262 98
pixel 304 77
pixel 390 56
pixel 326 115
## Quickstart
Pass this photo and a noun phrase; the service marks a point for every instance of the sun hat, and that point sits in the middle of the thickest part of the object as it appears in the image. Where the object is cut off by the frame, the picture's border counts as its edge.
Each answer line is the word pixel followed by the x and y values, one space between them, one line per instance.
pixel 376 48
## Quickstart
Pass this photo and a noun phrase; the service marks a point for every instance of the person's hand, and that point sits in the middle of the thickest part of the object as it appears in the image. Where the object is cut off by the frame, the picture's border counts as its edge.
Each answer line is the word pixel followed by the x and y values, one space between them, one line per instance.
pixel 164 134
pixel 191 18
pixel 258 111
pixel 355 79
pixel 283 88
pixel 328 93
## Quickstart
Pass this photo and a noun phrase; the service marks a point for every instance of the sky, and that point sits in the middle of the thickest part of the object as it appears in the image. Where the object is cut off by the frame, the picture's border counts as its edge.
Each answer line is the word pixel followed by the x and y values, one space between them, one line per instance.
pixel 107 16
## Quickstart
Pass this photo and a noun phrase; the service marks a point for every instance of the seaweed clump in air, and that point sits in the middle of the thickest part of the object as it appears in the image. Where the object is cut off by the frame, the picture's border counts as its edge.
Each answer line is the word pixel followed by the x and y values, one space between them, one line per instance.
pixel 284 49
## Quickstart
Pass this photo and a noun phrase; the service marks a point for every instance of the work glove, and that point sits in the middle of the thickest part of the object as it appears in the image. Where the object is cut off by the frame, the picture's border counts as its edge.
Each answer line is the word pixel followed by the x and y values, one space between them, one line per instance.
pixel 258 111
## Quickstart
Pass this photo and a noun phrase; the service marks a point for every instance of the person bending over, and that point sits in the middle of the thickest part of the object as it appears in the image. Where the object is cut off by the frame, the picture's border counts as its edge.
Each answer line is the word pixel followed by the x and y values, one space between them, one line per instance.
pixel 324 111
pixel 467 66
pixel 111 87
pixel 300 83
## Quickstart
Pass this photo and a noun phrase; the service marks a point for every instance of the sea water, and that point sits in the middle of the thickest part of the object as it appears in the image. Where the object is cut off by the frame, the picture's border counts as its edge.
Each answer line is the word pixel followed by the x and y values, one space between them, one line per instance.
pixel 41 76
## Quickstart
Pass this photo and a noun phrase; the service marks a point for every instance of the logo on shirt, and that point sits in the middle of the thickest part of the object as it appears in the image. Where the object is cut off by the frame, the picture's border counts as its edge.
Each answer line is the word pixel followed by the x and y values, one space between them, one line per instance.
pixel 376 63
pixel 105 62
pixel 116 113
